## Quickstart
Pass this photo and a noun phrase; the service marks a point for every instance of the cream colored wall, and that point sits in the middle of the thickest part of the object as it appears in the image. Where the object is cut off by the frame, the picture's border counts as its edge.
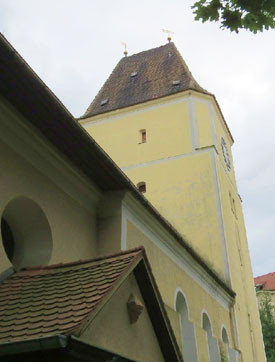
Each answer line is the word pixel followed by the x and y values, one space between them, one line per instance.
pixel 179 179
pixel 204 124
pixel 111 328
pixel 183 192
pixel 236 242
pixel 221 131
pixel 189 185
pixel 121 138
pixel 169 277
pixel 109 223
pixel 70 223
pixel 241 272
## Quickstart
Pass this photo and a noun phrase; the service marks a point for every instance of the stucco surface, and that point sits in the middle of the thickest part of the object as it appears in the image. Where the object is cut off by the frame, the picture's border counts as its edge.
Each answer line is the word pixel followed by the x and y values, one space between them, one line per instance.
pixel 170 277
pixel 70 223
pixel 111 328
pixel 188 181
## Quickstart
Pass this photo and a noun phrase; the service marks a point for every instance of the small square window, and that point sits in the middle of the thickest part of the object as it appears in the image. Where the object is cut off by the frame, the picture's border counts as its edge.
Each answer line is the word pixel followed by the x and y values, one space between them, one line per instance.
pixel 143 135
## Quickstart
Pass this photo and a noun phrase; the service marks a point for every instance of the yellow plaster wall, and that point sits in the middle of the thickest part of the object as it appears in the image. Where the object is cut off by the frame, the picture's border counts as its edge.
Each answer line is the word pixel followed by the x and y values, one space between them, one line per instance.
pixel 203 123
pixel 112 330
pixel 241 272
pixel 70 223
pixel 121 138
pixel 183 191
pixel 197 298
pixel 221 132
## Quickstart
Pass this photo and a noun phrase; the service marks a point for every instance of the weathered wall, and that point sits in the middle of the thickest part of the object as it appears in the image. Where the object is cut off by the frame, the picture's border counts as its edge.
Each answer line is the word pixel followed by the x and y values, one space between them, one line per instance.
pixel 182 163
pixel 111 329
pixel 170 278
pixel 71 224
pixel 122 140
pixel 32 169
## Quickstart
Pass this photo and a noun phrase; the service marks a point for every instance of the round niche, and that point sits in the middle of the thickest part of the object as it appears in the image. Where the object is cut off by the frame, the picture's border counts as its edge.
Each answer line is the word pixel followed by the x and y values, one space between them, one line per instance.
pixel 26 233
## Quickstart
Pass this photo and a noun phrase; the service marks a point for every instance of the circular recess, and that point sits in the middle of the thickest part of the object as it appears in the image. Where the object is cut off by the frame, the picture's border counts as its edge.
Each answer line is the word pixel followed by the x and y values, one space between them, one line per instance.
pixel 26 233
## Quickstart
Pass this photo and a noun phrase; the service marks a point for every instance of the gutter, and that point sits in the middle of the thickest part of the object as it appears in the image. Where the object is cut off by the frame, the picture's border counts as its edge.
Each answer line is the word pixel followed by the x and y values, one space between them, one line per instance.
pixel 71 345
pixel 33 345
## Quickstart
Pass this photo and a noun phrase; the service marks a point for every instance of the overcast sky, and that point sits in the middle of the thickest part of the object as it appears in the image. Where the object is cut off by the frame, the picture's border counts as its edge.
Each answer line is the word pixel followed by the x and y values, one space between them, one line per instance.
pixel 74 45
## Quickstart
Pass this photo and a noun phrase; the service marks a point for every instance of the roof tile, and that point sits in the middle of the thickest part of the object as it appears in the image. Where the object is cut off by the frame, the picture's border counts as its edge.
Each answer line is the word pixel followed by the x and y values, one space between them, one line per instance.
pixel 57 299
pixel 156 70
pixel 267 280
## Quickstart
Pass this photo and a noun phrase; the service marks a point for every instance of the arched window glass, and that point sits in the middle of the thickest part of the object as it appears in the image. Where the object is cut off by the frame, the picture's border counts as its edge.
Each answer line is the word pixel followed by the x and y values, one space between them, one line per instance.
pixel 187 330
pixel 224 345
pixel 213 347
pixel 231 354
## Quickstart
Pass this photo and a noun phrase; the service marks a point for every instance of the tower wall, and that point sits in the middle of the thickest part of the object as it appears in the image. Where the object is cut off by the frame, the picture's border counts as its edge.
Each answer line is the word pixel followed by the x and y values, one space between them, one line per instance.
pixel 186 163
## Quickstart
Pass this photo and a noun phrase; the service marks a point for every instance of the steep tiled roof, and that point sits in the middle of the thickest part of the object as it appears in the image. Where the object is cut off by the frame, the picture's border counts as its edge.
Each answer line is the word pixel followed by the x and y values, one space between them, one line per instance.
pixel 52 300
pixel 267 280
pixel 142 77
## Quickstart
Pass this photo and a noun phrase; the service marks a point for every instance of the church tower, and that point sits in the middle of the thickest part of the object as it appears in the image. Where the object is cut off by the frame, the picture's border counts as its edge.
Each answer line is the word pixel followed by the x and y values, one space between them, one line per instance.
pixel 169 136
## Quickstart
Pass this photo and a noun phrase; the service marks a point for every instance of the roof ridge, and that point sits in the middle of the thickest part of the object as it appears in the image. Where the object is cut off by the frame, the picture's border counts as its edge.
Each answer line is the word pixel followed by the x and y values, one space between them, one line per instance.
pixel 117 65
pixel 99 92
pixel 264 275
pixel 149 50
pixel 193 80
pixel 139 249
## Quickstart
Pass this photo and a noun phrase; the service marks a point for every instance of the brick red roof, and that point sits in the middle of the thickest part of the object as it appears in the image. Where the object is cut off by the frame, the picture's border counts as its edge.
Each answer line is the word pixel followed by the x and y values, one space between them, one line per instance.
pixel 268 281
pixel 53 300
pixel 142 77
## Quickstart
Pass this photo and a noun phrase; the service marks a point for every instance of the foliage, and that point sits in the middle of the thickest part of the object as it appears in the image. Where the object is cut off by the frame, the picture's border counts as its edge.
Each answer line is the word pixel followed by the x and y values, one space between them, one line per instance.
pixel 254 15
pixel 267 316
pixel 223 352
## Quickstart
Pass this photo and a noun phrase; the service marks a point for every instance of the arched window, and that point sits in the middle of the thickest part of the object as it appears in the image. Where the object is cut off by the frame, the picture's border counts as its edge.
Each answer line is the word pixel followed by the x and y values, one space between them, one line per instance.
pixel 213 347
pixel 187 330
pixel 231 354
pixel 25 233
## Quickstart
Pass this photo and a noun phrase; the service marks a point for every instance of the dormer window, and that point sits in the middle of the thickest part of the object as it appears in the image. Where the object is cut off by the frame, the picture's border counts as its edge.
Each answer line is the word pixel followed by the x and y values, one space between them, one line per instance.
pixel 141 187
pixel 105 101
pixel 133 74
pixel 176 82
pixel 142 136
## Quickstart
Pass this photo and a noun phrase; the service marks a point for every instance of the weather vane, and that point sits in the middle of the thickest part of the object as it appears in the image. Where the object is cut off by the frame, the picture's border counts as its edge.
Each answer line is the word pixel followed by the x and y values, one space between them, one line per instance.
pixel 125 48
pixel 169 33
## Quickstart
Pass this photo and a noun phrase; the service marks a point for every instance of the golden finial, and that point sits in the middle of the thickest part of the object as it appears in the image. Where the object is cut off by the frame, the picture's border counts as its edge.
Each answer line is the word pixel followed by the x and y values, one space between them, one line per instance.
pixel 169 32
pixel 125 48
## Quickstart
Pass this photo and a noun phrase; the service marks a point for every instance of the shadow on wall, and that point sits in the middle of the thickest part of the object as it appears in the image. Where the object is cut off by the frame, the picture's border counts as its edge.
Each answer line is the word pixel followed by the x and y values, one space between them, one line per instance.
pixel 26 233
